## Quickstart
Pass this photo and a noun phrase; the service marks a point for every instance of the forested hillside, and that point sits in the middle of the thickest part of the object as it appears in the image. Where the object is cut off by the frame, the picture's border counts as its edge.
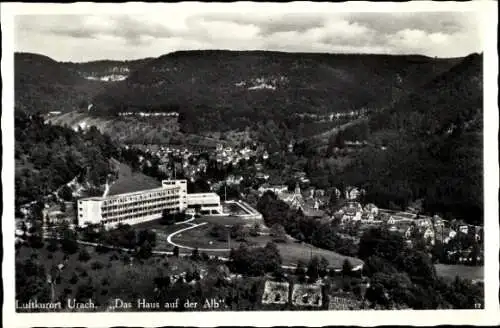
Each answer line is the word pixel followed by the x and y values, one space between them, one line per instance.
pixel 49 156
pixel 433 147
pixel 220 90
pixel 43 85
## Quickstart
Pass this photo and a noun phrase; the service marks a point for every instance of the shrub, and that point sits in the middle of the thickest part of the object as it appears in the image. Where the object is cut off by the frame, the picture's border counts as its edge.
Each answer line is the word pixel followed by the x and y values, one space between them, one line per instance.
pixel 195 254
pixel 84 255
pixel 52 246
pixel 196 275
pixel 36 242
pixel 205 256
pixel 254 231
pixel 96 265
pixel 101 249
pixel 189 276
pixel 145 251
pixel 278 233
pixel 74 279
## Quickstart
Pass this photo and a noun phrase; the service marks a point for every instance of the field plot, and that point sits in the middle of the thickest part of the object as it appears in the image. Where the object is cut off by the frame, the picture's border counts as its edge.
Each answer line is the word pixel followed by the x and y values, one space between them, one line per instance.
pixel 275 292
pixel 307 295
pixel 129 181
pixel 291 251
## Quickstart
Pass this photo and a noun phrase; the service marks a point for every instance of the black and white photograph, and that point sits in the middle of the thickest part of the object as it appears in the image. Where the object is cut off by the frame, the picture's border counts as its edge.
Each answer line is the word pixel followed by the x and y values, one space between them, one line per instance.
pixel 204 157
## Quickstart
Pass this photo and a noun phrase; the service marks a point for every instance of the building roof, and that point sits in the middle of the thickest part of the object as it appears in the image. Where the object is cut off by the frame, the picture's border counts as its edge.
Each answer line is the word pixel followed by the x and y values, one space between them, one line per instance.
pixel 133 193
pixel 313 212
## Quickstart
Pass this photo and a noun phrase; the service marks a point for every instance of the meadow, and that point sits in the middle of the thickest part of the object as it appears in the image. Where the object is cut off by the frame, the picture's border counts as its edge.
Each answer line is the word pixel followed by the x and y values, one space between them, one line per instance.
pixel 129 181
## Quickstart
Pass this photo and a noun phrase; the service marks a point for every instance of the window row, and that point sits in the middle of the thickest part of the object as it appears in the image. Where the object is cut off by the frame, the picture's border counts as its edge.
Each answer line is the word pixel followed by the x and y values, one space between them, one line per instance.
pixel 130 217
pixel 141 197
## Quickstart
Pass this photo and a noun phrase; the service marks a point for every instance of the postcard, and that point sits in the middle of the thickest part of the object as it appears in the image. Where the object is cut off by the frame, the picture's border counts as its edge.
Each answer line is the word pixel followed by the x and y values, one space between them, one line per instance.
pixel 213 164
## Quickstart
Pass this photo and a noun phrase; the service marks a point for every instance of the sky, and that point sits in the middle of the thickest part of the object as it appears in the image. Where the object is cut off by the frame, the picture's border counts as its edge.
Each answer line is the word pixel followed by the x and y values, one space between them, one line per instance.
pixel 160 30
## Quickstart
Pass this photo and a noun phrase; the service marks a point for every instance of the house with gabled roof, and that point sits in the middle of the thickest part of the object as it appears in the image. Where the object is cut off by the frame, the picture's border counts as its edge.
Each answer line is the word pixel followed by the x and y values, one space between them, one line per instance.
pixel 430 235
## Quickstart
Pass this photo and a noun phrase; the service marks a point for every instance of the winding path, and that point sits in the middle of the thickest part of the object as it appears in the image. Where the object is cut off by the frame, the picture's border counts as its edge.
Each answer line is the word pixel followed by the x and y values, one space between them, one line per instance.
pixel 192 226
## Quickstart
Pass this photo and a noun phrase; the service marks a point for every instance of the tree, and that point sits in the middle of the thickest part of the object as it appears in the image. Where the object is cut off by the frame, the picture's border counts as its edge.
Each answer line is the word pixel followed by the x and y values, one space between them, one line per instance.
pixel 84 292
pixel 176 251
pixel 189 276
pixel 300 270
pixel 66 193
pixel 255 230
pixel 162 282
pixel 239 232
pixel 346 268
pixel 219 232
pixel 278 233
pixel 375 264
pixel 74 278
pixel 418 265
pixel 84 255
pixel 53 245
pixel 31 282
pixel 205 256
pixel 396 289
pixel 195 254
pixel 255 261
pixel 146 236
pixel 196 275
pixel 167 218
pixel 228 192
pixel 380 242
pixel 145 250
pixel 69 243
pixel 199 186
pixel 36 241
pixel 313 268
pixel 323 266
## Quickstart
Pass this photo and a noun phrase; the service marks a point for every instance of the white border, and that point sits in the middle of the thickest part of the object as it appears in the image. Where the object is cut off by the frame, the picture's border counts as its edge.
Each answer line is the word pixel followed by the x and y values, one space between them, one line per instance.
pixel 489 316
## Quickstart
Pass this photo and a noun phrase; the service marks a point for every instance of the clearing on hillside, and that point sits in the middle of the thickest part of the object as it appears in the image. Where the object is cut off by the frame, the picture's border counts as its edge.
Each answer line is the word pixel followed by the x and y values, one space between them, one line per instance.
pixel 129 181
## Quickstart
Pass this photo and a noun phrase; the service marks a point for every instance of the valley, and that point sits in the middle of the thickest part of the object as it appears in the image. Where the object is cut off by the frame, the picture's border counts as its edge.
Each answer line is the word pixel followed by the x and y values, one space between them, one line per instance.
pixel 316 144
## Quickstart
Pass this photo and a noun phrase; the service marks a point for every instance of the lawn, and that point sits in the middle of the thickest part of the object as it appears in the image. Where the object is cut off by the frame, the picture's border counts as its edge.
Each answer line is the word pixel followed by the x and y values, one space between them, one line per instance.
pixel 129 181
pixel 290 251
pixel 463 271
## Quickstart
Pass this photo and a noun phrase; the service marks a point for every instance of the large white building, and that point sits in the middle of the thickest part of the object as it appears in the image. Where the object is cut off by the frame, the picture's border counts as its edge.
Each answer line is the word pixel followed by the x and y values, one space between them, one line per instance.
pixel 146 205
pixel 207 203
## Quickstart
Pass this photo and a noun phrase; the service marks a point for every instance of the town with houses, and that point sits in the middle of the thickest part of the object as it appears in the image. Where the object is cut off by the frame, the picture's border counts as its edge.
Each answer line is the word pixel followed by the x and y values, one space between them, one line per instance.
pixel 313 202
